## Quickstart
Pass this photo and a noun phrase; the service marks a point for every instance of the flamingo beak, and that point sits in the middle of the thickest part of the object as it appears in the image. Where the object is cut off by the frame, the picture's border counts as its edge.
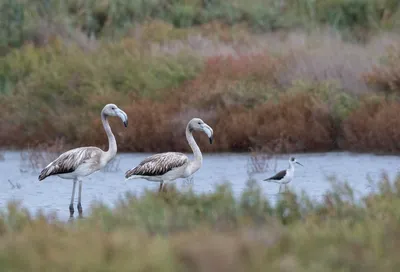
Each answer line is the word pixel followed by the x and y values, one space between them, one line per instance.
pixel 209 131
pixel 124 117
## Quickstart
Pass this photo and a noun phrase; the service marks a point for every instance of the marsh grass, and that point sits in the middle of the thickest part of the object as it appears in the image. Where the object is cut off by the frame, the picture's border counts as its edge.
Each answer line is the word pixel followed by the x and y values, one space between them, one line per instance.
pixel 14 185
pixel 35 159
pixel 178 231
pixel 260 161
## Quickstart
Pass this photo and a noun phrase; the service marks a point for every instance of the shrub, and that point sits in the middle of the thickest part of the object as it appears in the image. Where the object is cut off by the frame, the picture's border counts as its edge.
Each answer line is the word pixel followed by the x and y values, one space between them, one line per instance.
pixel 178 231
pixel 242 79
pixel 57 91
pixel 386 77
pixel 373 126
pixel 297 123
pixel 46 85
pixel 20 20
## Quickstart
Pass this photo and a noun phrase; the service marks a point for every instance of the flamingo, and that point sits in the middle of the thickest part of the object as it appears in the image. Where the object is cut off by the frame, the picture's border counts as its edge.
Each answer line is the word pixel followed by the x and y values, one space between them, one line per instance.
pixel 169 166
pixel 84 161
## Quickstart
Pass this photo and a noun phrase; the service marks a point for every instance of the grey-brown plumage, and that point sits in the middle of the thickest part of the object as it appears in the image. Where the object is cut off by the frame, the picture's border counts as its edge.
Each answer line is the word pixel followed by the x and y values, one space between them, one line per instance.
pixel 158 164
pixel 84 161
pixel 68 162
pixel 169 166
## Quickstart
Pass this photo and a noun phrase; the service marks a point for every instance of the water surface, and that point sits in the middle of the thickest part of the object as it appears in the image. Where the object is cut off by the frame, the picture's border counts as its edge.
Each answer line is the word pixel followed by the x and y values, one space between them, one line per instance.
pixel 53 194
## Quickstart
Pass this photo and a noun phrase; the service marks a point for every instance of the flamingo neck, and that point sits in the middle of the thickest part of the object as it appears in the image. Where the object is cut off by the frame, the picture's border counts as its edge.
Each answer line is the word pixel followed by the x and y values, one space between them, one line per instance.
pixel 198 157
pixel 112 144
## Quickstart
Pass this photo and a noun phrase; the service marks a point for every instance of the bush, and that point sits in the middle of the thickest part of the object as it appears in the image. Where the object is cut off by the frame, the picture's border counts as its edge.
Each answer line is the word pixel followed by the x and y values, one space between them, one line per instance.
pixel 51 86
pixel 373 126
pixel 57 91
pixel 386 77
pixel 178 231
pixel 297 123
pixel 20 20
pixel 232 80
pixel 240 96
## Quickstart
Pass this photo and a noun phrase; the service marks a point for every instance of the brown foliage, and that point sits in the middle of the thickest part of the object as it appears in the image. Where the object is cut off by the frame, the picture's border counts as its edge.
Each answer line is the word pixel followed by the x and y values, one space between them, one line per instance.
pixel 373 127
pixel 386 77
pixel 151 127
pixel 240 96
pixel 227 81
pixel 297 123
pixel 234 251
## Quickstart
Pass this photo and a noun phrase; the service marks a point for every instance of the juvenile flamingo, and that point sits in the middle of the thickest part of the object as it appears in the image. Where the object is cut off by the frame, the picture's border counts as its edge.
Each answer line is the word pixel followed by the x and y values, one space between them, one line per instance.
pixel 83 161
pixel 169 166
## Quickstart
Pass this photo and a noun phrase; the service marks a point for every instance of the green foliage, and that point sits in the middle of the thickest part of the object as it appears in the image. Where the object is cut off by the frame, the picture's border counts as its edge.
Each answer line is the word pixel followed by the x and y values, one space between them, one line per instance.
pixel 11 23
pixel 20 20
pixel 57 78
pixel 347 14
pixel 386 76
pixel 64 86
pixel 340 102
pixel 122 67
pixel 181 231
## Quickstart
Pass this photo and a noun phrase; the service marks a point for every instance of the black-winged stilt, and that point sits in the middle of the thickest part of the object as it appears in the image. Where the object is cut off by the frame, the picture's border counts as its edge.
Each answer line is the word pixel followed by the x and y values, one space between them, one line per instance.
pixel 284 176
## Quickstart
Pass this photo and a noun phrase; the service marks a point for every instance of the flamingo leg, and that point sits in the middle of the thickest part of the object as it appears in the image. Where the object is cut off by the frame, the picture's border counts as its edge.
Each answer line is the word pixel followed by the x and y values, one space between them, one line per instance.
pixel 79 199
pixel 71 205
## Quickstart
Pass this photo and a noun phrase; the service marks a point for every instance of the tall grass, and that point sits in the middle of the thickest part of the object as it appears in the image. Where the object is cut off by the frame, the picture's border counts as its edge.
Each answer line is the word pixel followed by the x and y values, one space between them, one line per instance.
pixel 186 231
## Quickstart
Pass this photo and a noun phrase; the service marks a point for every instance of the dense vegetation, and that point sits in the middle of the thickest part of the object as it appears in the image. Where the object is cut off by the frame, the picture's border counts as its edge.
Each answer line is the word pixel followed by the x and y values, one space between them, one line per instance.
pixel 275 75
pixel 189 232
pixel 283 76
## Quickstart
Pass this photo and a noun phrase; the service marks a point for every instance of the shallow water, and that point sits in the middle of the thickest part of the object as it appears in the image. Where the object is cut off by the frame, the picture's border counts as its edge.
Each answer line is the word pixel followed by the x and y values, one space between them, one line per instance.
pixel 53 194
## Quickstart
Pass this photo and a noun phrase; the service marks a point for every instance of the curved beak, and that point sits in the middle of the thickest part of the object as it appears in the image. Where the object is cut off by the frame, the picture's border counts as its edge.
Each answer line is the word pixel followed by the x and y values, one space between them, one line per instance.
pixel 124 117
pixel 300 164
pixel 209 131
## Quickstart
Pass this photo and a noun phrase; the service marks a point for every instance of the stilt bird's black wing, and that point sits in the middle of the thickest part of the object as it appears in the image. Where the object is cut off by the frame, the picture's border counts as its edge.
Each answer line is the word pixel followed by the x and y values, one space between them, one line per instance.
pixel 277 176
